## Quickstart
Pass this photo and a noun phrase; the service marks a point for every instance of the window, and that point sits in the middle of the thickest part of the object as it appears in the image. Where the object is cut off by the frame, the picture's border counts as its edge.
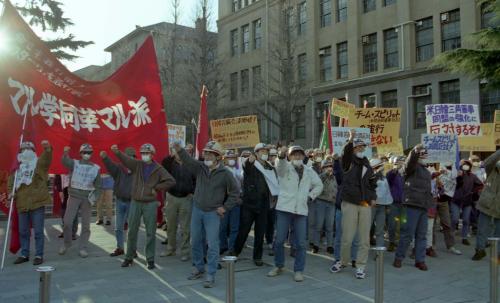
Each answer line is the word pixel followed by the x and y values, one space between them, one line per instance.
pixel 257 81
pixel 234 42
pixel 369 53
pixel 245 79
pixel 234 86
pixel 490 101
pixel 420 103
pixel 342 71
pixel 391 48
pixel 449 91
pixel 325 64
pixel 325 12
pixel 369 5
pixel 300 122
pixel 290 21
pixel 257 34
pixel 245 39
pixel 450 30
pixel 234 5
pixel 424 41
pixel 302 18
pixel 486 15
pixel 302 68
pixel 341 10
pixel 390 99
pixel 371 100
pixel 389 2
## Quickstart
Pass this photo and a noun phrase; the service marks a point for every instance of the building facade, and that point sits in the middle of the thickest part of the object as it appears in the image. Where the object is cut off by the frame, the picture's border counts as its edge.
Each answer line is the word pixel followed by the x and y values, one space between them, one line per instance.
pixel 380 51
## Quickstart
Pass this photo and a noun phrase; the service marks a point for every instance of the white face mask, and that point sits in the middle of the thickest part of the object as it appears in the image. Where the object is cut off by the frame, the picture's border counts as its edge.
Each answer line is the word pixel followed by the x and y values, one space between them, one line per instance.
pixel 318 159
pixel 466 167
pixel 264 157
pixel 297 163
pixel 26 155
pixel 208 163
pixel 231 162
pixel 476 164
pixel 146 158
pixel 360 155
pixel 86 157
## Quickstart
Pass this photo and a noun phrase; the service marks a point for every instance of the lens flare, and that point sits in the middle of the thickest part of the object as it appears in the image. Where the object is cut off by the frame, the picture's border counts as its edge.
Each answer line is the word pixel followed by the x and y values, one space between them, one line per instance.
pixel 4 41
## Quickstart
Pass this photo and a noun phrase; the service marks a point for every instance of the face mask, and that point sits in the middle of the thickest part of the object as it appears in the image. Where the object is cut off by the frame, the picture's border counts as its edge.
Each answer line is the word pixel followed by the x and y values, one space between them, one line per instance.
pixel 264 157
pixel 86 157
pixel 466 167
pixel 208 163
pixel 329 171
pixel 231 162
pixel 26 155
pixel 146 158
pixel 318 159
pixel 476 164
pixel 297 163
pixel 360 155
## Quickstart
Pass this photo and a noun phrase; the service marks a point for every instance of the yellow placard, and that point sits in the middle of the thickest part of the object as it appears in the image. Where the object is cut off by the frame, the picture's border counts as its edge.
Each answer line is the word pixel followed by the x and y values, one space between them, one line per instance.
pixel 341 108
pixel 395 149
pixel 484 143
pixel 384 123
pixel 237 132
pixel 496 127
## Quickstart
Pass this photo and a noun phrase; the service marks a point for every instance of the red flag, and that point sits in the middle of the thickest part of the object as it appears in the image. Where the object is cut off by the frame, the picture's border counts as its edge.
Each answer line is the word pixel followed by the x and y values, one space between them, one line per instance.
pixel 15 242
pixel 202 135
pixel 329 126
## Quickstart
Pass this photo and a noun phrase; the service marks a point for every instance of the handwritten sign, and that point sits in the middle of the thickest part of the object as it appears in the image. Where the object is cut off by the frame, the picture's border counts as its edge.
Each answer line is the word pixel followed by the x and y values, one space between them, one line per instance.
pixel 453 119
pixel 496 127
pixel 384 123
pixel 176 133
pixel 484 143
pixel 441 148
pixel 341 108
pixel 236 132
pixel 395 149
pixel 340 135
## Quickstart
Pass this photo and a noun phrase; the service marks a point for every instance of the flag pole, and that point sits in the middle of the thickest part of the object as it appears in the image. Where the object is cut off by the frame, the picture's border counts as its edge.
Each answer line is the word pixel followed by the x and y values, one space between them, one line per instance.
pixel 11 204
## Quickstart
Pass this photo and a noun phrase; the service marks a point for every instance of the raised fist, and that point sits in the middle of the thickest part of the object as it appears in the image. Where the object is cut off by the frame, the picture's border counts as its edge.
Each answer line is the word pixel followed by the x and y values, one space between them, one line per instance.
pixel 67 149
pixel 103 154
pixel 114 148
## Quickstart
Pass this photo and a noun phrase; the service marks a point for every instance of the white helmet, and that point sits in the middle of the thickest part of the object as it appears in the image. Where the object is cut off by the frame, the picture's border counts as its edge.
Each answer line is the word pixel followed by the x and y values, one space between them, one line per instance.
pixel 147 148
pixel 260 146
pixel 85 147
pixel 27 145
pixel 214 147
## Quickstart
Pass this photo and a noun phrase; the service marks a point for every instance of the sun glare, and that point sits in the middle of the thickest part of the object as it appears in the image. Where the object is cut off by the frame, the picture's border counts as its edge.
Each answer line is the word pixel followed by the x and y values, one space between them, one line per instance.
pixel 3 41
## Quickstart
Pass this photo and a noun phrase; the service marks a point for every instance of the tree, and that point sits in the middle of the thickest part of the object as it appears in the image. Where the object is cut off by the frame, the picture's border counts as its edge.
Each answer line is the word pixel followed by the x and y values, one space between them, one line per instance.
pixel 49 16
pixel 484 61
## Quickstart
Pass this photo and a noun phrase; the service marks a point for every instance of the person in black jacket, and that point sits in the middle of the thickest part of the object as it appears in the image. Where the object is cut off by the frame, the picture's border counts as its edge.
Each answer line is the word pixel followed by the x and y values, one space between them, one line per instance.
pixel 179 204
pixel 256 202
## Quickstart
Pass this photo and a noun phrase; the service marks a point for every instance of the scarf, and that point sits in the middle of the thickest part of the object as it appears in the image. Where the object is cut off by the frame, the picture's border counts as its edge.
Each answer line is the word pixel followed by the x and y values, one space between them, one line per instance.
pixel 271 179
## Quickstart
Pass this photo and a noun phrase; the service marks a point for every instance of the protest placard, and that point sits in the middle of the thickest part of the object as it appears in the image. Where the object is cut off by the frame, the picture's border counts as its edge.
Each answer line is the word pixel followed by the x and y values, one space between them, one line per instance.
pixel 453 119
pixel 441 148
pixel 484 143
pixel 340 135
pixel 237 132
pixel 176 133
pixel 384 123
pixel 496 127
pixel 341 108
pixel 394 149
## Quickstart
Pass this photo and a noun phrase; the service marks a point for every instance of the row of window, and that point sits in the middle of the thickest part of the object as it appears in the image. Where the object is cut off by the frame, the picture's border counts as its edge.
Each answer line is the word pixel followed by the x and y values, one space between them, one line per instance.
pixel 244 79
pixel 325 9
pixel 236 5
pixel 244 39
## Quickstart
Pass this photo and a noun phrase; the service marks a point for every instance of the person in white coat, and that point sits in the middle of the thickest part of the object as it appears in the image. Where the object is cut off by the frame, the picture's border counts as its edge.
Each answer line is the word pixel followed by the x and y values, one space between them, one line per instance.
pixel 298 185
pixel 383 202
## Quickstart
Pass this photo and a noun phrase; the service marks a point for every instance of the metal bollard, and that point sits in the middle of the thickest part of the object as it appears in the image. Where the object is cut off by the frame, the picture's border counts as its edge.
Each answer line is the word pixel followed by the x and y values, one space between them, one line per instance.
pixel 230 287
pixel 379 274
pixel 45 273
pixel 494 269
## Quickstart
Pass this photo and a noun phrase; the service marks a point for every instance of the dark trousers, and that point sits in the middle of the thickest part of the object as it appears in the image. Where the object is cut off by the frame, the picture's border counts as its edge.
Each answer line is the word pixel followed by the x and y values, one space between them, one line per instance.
pixel 271 219
pixel 248 217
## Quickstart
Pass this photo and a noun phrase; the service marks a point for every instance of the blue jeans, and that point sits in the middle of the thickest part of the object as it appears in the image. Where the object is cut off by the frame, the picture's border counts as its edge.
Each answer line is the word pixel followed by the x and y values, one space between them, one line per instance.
pixel 229 227
pixel 325 215
pixel 283 222
pixel 35 217
pixel 415 225
pixel 205 225
pixel 378 216
pixel 455 216
pixel 487 227
pixel 393 222
pixel 338 238
pixel 121 214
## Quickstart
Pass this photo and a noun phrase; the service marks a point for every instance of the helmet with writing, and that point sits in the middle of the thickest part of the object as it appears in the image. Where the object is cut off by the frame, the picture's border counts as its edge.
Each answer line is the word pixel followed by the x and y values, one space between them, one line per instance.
pixel 214 147
pixel 260 146
pixel 230 154
pixel 27 145
pixel 245 154
pixel 296 148
pixel 147 148
pixel 85 147
pixel 327 163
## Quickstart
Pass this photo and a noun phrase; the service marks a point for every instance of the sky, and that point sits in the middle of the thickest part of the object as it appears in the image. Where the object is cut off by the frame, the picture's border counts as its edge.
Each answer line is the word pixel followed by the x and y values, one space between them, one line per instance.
pixel 106 21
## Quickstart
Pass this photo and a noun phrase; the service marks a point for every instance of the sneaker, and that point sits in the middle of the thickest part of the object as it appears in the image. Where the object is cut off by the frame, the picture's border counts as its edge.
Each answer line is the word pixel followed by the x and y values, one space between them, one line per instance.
pixel 392 247
pixel 196 274
pixel 360 273
pixel 83 253
pixel 151 265
pixel 276 271
pixel 167 254
pixel 479 255
pixel 99 222
pixel 63 250
pixel 455 251
pixel 397 263
pixel 258 262
pixel 465 242
pixel 38 260
pixel 108 222
pixel 21 259
pixel 336 267
pixel 298 277
pixel 127 263
pixel 117 252
pixel 421 266
pixel 209 282
pixel 431 252
pixel 329 250
pixel 184 258
pixel 315 249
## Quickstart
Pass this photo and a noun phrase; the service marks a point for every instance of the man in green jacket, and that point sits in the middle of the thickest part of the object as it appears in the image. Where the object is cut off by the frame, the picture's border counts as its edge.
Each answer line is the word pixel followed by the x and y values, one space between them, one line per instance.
pixel 31 195
pixel 148 177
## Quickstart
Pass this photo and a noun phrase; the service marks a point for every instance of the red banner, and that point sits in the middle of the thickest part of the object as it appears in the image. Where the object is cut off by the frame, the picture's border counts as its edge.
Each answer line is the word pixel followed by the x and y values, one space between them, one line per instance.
pixel 125 109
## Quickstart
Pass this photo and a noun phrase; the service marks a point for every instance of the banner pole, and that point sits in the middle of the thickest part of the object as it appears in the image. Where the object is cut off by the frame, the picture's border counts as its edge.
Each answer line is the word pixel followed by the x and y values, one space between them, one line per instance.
pixel 11 204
